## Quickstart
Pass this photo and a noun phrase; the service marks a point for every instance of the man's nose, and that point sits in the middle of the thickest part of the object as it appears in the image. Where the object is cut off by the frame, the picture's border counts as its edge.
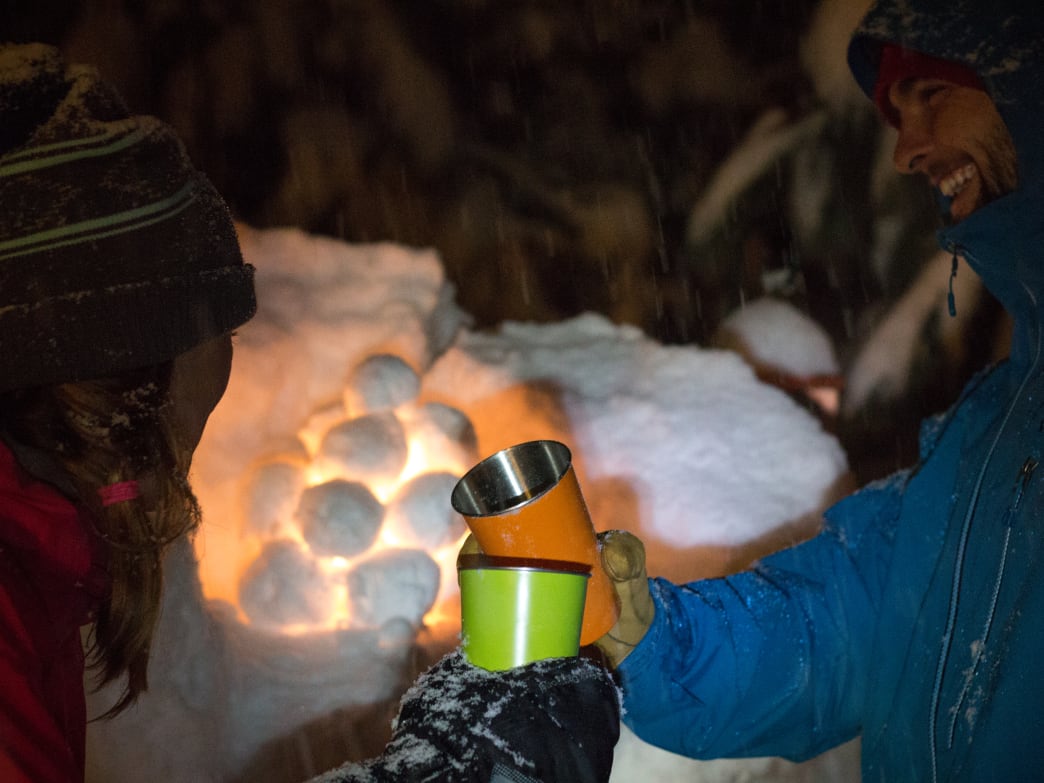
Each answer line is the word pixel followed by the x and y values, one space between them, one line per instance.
pixel 915 137
pixel 913 144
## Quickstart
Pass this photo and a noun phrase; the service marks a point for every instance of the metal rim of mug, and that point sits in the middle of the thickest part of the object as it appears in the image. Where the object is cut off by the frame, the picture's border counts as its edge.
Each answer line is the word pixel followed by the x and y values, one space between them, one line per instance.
pixel 496 466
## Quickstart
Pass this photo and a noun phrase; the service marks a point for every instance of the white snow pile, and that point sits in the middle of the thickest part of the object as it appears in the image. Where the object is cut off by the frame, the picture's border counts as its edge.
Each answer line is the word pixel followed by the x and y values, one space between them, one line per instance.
pixel 682 445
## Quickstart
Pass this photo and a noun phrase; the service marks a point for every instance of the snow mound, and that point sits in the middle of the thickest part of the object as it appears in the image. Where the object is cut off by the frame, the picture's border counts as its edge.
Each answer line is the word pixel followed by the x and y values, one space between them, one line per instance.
pixel 680 444
pixel 699 451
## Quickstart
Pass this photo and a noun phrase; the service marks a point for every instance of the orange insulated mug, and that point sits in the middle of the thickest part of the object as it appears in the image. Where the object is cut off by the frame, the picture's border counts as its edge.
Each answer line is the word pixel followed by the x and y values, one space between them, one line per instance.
pixel 525 502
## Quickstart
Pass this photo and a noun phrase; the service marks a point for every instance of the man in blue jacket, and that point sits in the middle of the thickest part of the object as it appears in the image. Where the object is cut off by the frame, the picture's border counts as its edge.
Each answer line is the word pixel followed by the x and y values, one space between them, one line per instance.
pixel 916 618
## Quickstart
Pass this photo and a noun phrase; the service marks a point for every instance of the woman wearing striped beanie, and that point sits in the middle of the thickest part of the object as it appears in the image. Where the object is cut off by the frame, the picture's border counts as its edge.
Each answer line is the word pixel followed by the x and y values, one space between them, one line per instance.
pixel 121 280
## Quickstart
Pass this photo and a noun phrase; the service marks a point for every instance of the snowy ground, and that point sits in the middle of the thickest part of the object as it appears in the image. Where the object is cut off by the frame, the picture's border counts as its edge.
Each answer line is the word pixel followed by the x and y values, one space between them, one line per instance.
pixel 679 444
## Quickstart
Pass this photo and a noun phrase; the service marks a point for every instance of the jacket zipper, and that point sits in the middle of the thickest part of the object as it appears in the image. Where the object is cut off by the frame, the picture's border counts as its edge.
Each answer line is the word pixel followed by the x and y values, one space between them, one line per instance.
pixel 1009 520
pixel 1027 469
pixel 951 620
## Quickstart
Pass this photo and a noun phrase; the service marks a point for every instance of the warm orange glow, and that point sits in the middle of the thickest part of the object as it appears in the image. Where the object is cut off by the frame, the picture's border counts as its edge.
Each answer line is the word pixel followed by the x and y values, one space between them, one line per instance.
pixel 269 521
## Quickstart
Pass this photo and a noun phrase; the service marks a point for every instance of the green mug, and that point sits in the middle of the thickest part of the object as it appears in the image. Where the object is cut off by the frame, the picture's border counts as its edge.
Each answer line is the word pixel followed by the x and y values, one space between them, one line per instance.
pixel 513 614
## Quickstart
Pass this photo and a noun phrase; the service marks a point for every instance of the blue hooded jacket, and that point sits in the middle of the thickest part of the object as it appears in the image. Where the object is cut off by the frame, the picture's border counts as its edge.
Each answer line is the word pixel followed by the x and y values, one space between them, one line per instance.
pixel 916 618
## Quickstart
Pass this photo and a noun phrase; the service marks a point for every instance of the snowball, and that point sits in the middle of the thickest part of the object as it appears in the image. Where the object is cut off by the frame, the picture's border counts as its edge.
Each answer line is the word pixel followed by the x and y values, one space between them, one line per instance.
pixel 422 513
pixel 369 447
pixel 397 583
pixel 445 434
pixel 284 586
pixel 773 333
pixel 397 633
pixel 320 421
pixel 339 518
pixel 380 382
pixel 272 493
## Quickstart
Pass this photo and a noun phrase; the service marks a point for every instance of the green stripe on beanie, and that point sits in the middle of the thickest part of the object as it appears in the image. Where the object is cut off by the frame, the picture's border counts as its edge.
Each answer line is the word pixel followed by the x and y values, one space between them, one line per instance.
pixel 115 252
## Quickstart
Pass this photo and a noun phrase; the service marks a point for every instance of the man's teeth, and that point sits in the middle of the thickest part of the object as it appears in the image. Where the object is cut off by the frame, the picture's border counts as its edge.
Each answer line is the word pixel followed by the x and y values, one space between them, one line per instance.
pixel 954 183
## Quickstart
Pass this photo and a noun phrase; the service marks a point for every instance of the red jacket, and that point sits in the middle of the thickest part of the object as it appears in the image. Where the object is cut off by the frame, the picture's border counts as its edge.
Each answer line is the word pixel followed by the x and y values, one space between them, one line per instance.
pixel 46 586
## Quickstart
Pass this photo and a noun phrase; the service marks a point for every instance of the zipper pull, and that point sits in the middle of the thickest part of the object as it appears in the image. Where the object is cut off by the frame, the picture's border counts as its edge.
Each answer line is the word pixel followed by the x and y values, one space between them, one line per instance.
pixel 951 303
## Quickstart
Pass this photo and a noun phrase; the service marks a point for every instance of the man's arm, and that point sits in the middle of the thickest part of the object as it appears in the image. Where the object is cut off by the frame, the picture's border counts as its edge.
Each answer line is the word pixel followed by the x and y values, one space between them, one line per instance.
pixel 772 661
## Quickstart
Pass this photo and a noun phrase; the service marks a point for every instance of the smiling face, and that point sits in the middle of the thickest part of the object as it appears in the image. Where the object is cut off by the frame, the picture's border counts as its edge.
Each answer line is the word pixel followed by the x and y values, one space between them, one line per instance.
pixel 954 136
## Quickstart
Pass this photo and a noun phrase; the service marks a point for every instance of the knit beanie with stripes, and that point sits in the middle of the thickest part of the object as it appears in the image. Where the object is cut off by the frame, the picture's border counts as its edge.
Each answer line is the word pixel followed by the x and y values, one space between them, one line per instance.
pixel 115 252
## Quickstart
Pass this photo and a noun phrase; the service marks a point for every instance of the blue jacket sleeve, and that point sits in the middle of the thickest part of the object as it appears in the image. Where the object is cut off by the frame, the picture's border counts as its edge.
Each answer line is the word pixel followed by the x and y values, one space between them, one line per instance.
pixel 772 661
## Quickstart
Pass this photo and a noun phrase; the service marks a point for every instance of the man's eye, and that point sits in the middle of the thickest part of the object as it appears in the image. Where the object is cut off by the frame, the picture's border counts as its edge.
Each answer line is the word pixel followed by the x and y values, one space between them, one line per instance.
pixel 932 93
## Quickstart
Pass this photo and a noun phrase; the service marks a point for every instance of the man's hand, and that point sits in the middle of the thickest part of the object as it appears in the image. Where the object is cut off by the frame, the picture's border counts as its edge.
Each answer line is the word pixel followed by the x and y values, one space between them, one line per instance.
pixel 623 558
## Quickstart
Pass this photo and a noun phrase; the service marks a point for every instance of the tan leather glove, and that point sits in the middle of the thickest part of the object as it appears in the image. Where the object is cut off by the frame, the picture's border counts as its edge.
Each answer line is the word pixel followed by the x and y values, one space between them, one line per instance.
pixel 623 558
pixel 468 548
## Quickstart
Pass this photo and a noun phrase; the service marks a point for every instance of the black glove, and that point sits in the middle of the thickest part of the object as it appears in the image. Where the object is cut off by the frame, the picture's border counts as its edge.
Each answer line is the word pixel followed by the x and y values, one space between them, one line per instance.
pixel 554 720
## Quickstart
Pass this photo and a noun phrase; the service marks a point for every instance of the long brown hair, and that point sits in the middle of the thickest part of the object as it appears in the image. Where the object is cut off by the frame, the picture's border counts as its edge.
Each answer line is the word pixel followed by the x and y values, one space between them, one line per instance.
pixel 98 433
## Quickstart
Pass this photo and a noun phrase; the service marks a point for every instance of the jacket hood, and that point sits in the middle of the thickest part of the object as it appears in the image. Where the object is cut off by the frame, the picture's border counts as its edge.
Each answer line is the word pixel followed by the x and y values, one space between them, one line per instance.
pixel 1003 42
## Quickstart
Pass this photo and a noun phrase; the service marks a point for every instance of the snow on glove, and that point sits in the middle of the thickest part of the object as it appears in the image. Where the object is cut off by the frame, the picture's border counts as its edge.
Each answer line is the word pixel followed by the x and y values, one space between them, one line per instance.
pixel 623 558
pixel 553 720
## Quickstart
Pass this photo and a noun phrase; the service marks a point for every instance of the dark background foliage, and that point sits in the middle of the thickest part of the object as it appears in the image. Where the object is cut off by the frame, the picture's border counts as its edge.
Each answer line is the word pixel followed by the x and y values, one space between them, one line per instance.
pixel 554 153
